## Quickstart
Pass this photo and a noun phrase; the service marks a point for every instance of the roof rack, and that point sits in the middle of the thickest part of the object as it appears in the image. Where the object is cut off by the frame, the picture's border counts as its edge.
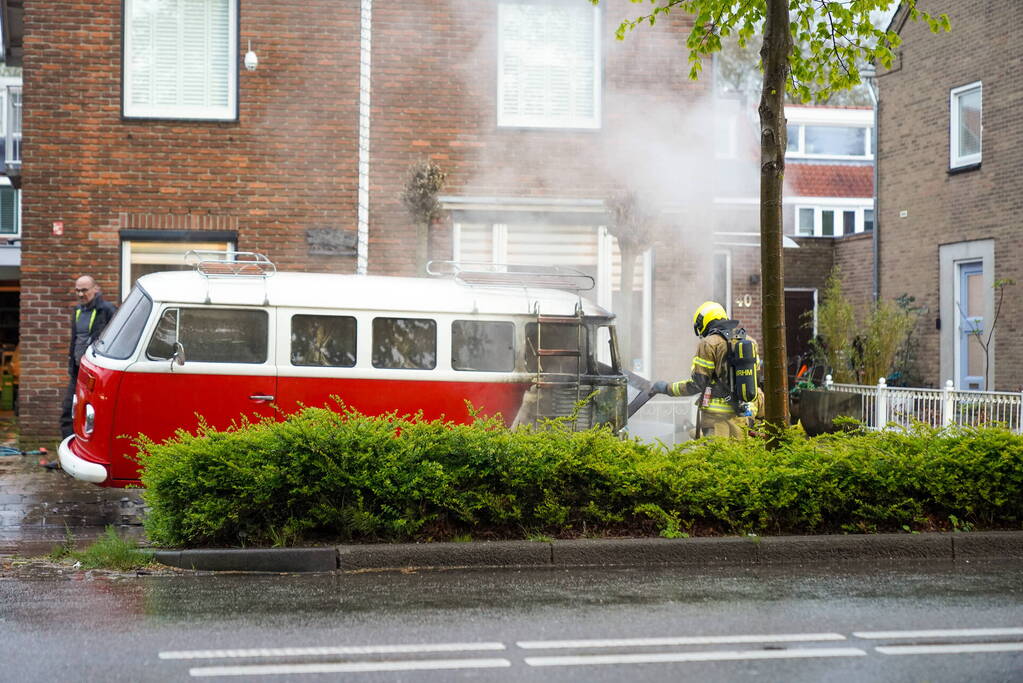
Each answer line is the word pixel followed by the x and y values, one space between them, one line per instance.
pixel 230 263
pixel 509 275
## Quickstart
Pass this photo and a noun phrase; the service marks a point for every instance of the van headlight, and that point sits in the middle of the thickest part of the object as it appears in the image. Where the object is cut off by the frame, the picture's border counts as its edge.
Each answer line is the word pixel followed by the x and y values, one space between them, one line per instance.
pixel 90 419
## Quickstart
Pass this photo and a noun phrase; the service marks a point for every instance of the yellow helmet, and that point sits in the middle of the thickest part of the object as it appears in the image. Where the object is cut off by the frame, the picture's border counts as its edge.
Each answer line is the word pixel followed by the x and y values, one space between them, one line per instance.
pixel 706 313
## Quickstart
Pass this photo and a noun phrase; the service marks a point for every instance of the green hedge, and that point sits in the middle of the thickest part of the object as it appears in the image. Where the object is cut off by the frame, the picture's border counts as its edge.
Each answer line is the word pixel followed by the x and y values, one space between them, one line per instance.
pixel 320 475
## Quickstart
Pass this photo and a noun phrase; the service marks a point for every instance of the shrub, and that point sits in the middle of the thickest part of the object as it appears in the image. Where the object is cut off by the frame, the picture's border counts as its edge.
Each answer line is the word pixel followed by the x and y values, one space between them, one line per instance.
pixel 322 475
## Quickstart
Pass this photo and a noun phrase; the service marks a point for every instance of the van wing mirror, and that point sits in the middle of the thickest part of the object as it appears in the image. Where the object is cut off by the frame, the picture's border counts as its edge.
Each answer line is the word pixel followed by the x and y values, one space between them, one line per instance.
pixel 178 357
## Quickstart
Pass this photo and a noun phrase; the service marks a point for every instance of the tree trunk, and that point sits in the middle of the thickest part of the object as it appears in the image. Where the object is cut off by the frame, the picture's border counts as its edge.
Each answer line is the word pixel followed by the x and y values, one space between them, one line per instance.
pixel 422 246
pixel 775 55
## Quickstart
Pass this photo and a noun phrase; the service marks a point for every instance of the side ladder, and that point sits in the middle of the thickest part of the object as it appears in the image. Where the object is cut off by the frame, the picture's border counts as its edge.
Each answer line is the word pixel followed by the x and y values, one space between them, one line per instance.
pixel 558 383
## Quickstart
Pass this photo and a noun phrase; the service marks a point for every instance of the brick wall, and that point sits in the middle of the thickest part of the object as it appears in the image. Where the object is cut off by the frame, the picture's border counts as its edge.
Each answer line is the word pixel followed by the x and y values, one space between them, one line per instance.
pixel 922 204
pixel 854 258
pixel 289 163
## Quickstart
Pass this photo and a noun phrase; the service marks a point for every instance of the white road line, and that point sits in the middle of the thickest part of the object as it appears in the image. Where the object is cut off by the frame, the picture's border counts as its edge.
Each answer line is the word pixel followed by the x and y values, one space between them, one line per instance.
pixel 330 650
pixel 964 648
pixel 681 640
pixel 347 667
pixel 711 656
pixel 939 633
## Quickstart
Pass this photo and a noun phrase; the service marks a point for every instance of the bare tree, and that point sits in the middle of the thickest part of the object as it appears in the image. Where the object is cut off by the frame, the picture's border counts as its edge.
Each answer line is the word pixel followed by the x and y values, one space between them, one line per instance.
pixel 419 196
pixel 633 223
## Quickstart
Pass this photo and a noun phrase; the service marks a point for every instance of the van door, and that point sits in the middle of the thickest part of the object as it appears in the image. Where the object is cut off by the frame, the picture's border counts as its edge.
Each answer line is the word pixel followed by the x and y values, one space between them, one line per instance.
pixel 318 354
pixel 199 363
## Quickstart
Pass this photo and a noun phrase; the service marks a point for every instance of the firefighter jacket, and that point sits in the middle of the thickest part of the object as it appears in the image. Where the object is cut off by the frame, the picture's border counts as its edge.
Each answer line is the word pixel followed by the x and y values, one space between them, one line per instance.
pixel 710 369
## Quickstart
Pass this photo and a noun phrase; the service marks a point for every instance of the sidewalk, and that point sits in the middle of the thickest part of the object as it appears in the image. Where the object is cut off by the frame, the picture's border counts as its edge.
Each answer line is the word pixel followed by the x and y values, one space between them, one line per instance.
pixel 38 507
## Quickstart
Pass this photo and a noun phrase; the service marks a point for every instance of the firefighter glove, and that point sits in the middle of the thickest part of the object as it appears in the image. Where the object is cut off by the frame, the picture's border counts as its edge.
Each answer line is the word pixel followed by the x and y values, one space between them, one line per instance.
pixel 659 387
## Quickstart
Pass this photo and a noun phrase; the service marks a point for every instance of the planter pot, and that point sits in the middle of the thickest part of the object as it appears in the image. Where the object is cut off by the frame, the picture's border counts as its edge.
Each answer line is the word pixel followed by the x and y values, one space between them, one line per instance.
pixel 818 408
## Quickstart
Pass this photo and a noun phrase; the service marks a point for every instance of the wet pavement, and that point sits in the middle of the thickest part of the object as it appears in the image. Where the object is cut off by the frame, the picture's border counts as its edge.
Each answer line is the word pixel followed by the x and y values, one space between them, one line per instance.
pixel 40 506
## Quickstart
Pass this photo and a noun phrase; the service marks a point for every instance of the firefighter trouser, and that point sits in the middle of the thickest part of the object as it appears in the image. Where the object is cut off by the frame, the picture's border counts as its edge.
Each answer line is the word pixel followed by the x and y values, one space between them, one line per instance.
pixel 723 424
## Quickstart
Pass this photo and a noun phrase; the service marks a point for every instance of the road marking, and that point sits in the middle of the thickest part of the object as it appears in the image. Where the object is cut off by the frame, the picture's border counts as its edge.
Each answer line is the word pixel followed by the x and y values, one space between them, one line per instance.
pixel 964 648
pixel 682 640
pixel 330 650
pixel 346 667
pixel 939 633
pixel 712 656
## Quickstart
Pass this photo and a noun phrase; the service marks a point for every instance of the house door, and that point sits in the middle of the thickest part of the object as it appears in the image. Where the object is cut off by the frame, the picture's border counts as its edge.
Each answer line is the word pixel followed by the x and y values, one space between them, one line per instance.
pixel 800 326
pixel 969 354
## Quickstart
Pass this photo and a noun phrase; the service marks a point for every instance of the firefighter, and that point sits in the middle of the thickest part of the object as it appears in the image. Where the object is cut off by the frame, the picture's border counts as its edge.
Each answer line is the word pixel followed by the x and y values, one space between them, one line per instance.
pixel 720 413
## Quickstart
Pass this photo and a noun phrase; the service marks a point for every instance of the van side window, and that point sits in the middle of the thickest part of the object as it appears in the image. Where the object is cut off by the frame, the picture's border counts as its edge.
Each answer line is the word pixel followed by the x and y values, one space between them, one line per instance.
pixel 567 340
pixel 406 343
pixel 323 340
pixel 483 345
pixel 211 335
pixel 121 335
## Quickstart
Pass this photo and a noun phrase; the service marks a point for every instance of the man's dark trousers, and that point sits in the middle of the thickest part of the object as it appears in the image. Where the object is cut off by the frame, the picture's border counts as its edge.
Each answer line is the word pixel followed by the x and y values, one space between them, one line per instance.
pixel 67 427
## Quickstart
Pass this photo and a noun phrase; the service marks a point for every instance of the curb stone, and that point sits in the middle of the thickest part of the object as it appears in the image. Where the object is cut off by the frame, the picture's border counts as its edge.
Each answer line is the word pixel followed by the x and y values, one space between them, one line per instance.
pixel 252 560
pixel 733 551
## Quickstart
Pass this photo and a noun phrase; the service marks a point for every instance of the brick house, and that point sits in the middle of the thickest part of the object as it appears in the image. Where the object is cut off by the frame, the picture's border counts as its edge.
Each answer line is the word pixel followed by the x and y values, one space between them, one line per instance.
pixel 951 149
pixel 10 198
pixel 828 216
pixel 156 139
pixel 829 211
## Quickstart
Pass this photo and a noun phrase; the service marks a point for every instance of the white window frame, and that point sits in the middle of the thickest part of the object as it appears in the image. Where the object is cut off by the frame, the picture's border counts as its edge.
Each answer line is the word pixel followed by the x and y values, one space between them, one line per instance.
pixel 818 222
pixel 727 254
pixel 955 160
pixel 229 112
pixel 505 120
pixel 195 242
pixel 800 117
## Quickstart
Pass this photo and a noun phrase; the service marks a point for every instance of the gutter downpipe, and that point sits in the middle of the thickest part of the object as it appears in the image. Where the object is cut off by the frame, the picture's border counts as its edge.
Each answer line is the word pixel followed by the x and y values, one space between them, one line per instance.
pixel 870 75
pixel 365 82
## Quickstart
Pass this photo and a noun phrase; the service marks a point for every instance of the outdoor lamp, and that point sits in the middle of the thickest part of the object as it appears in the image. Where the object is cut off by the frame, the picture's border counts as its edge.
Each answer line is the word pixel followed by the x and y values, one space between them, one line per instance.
pixel 251 60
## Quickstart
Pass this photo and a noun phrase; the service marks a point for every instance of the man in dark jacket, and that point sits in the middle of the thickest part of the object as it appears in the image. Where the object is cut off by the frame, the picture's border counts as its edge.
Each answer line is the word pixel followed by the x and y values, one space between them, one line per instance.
pixel 88 319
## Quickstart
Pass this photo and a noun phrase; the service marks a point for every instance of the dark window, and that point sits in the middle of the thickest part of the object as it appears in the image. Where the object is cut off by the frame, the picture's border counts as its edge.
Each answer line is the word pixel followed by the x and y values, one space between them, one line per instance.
pixel 211 335
pixel 482 345
pixel 323 340
pixel 121 335
pixel 828 223
pixel 405 343
pixel 848 222
pixel 9 223
pixel 868 220
pixel 564 344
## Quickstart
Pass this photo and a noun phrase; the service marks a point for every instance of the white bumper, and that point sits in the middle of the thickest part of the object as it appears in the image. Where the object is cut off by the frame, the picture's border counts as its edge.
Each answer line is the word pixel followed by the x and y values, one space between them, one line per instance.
pixel 77 467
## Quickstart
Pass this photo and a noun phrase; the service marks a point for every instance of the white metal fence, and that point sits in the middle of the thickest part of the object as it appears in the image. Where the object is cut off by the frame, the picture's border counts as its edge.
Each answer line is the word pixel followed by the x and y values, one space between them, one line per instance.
pixel 883 406
pixel 671 420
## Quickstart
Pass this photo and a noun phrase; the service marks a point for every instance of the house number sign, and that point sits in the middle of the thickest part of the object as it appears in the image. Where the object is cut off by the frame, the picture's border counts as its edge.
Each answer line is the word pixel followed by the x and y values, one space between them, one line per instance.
pixel 744 301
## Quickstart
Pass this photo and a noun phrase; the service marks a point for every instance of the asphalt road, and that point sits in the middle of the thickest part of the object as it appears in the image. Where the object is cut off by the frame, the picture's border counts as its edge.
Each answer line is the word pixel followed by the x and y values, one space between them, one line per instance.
pixel 944 622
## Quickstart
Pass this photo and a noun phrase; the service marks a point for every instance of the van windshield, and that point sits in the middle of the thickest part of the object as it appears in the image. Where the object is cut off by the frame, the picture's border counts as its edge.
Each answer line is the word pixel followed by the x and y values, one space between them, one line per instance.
pixel 121 335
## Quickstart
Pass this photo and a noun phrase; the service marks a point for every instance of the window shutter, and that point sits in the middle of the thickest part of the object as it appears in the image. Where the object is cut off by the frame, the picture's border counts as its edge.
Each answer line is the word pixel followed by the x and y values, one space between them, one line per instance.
pixel 574 246
pixel 476 243
pixel 179 59
pixel 547 59
pixel 8 211
pixel 138 61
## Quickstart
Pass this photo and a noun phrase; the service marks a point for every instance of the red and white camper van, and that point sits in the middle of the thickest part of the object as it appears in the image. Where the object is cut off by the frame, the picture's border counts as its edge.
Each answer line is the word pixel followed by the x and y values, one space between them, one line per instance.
pixel 234 337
